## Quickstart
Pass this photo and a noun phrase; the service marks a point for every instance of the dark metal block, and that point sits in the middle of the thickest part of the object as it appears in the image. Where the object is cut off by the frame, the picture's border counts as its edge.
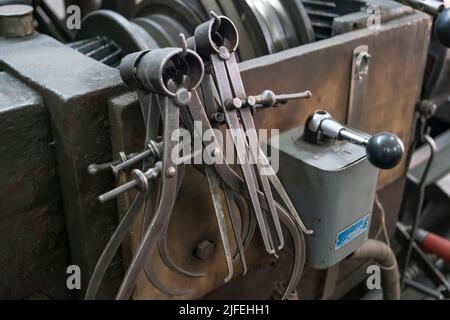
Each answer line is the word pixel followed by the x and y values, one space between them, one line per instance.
pixel 76 89
pixel 34 250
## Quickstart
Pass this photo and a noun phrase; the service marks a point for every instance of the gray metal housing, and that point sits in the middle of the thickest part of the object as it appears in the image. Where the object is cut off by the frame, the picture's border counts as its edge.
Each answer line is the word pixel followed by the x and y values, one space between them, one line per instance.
pixel 333 188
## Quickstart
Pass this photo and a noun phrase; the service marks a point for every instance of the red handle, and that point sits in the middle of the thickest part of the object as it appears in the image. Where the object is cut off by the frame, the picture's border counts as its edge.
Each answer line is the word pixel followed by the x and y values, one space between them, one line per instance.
pixel 437 245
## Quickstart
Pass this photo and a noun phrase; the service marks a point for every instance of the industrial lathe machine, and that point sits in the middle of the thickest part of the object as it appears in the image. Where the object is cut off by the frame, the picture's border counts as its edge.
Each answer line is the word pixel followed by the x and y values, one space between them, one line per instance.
pixel 217 149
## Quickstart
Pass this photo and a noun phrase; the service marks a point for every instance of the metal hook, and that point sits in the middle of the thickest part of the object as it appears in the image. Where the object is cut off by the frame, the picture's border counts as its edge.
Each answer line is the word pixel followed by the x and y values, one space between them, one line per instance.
pixel 184 44
pixel 216 17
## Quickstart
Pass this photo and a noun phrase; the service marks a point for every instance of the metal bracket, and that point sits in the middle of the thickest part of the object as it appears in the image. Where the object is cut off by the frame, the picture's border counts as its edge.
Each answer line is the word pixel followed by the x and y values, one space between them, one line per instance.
pixel 358 84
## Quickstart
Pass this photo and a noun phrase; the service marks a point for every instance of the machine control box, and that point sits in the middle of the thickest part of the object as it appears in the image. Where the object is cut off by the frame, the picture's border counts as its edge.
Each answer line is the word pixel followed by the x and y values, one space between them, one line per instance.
pixel 333 188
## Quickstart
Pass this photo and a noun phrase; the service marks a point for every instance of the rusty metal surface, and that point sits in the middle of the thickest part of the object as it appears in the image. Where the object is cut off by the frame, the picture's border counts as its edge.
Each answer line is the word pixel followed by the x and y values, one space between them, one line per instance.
pixel 16 20
pixel 193 211
pixel 34 250
pixel 311 286
pixel 324 68
pixel 75 89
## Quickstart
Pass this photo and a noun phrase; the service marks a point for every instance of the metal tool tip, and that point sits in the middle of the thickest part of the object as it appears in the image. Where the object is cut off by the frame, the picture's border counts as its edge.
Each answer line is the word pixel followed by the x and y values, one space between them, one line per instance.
pixel 184 44
pixel 245 270
pixel 214 15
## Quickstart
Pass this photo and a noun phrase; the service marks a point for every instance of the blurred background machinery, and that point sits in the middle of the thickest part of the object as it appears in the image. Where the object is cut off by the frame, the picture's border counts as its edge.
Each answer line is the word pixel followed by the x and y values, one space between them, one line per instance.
pixel 52 216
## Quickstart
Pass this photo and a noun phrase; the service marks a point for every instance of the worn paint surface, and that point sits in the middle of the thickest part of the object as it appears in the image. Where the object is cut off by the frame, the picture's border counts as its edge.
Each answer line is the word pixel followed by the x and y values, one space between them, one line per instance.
pixel 34 251
pixel 75 89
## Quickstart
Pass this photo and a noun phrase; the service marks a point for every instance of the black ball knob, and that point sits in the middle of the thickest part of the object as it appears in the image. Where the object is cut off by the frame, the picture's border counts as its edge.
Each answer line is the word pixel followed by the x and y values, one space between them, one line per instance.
pixel 384 150
pixel 442 27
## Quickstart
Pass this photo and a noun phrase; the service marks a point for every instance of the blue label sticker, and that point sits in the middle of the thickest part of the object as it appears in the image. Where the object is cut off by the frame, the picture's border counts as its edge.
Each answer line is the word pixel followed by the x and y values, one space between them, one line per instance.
pixel 350 233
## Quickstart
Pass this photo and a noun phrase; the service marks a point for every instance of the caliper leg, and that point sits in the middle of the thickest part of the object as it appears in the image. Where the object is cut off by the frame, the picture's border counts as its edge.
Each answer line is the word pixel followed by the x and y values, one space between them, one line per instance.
pixel 112 246
pixel 217 201
pixel 240 143
pixel 234 224
pixel 198 113
pixel 163 213
pixel 255 149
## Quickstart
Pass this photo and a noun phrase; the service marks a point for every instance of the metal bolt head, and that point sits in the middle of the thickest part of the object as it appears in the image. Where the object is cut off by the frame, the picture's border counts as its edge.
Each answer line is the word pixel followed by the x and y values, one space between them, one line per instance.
pixel 16 21
pixel 183 97
pixel 427 108
pixel 218 117
pixel 170 172
pixel 204 250
pixel 251 101
pixel 224 53
pixel 237 103
pixel 234 103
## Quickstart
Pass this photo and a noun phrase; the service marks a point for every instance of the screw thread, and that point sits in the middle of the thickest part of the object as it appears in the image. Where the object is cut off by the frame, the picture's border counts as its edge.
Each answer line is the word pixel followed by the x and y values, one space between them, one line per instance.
pixel 132 161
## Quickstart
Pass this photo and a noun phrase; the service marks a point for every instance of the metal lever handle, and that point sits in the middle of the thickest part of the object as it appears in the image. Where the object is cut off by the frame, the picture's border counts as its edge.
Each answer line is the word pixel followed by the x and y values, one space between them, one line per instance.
pixel 384 150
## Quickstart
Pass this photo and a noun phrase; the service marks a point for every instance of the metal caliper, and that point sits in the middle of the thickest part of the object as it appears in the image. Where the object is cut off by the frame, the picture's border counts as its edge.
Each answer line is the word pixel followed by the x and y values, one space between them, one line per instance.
pixel 175 92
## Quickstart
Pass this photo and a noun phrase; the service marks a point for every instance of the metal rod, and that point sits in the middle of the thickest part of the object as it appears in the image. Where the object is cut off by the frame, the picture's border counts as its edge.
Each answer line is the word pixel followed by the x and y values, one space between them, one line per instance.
pixel 151 174
pixel 424 289
pixel 353 137
pixel 432 145
pixel 269 99
pixel 117 191
pixel 282 98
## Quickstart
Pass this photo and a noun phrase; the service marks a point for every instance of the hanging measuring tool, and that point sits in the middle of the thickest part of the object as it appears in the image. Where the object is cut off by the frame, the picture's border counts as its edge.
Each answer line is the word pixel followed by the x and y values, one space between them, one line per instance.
pixel 167 81
pixel 216 41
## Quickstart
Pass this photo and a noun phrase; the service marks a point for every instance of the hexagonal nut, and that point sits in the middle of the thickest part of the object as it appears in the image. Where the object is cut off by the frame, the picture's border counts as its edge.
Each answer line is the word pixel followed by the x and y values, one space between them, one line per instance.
pixel 204 250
